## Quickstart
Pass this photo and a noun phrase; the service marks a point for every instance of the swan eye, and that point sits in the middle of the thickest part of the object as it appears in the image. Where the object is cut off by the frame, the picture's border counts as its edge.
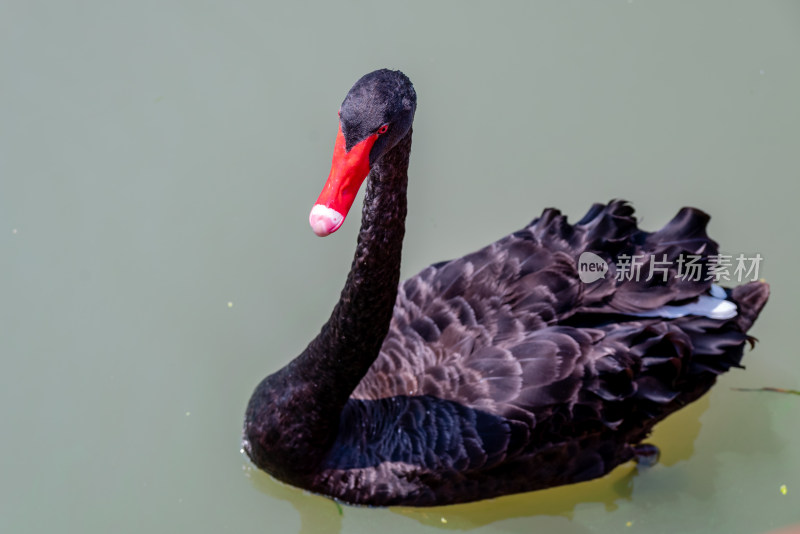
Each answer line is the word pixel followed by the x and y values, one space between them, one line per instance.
pixel 383 129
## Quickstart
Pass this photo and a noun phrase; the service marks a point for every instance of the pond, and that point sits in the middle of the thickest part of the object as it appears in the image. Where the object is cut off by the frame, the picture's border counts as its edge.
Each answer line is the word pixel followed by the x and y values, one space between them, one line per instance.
pixel 158 161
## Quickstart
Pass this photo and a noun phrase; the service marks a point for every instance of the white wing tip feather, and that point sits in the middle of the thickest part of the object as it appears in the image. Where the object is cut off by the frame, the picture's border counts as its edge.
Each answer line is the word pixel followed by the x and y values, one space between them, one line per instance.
pixel 714 306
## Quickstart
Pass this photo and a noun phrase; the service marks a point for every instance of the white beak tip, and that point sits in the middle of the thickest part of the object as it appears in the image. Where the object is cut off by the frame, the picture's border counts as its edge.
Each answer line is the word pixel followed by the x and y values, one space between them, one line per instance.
pixel 324 220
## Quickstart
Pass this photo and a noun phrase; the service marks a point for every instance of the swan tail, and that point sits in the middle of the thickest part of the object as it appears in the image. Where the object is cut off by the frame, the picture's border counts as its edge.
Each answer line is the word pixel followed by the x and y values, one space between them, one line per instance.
pixel 750 300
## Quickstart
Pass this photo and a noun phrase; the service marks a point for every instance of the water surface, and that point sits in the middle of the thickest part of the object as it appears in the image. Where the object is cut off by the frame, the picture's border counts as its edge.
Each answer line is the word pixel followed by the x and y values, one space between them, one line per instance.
pixel 157 164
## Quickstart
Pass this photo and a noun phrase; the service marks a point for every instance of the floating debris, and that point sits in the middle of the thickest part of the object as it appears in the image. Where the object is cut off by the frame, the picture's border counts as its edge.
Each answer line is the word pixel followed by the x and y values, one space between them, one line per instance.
pixel 629 524
pixel 230 304
pixel 784 491
pixel 774 390
pixel 444 521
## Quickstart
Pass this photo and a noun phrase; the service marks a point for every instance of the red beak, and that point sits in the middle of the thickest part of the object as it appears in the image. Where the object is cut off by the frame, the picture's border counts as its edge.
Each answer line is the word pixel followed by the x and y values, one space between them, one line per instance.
pixel 349 169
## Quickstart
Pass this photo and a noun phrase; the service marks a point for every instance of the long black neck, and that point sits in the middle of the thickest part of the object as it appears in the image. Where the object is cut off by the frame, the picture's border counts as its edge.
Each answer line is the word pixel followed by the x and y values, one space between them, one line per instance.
pixel 350 341
pixel 293 415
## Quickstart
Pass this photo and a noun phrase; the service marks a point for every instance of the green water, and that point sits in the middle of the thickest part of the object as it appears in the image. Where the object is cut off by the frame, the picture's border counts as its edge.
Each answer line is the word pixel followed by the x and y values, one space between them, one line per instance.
pixel 157 164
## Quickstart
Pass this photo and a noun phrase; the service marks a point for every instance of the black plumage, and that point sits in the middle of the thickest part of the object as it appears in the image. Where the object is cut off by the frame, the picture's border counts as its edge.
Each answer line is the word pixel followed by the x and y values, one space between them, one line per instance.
pixel 494 373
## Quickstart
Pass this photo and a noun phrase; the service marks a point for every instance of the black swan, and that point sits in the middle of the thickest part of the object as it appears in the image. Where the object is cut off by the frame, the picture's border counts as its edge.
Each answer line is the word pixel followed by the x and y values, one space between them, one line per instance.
pixel 495 373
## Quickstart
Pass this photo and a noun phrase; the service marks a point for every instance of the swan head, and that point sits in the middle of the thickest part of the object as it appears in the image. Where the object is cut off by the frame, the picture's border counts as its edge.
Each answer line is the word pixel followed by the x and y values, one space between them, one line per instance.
pixel 374 116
